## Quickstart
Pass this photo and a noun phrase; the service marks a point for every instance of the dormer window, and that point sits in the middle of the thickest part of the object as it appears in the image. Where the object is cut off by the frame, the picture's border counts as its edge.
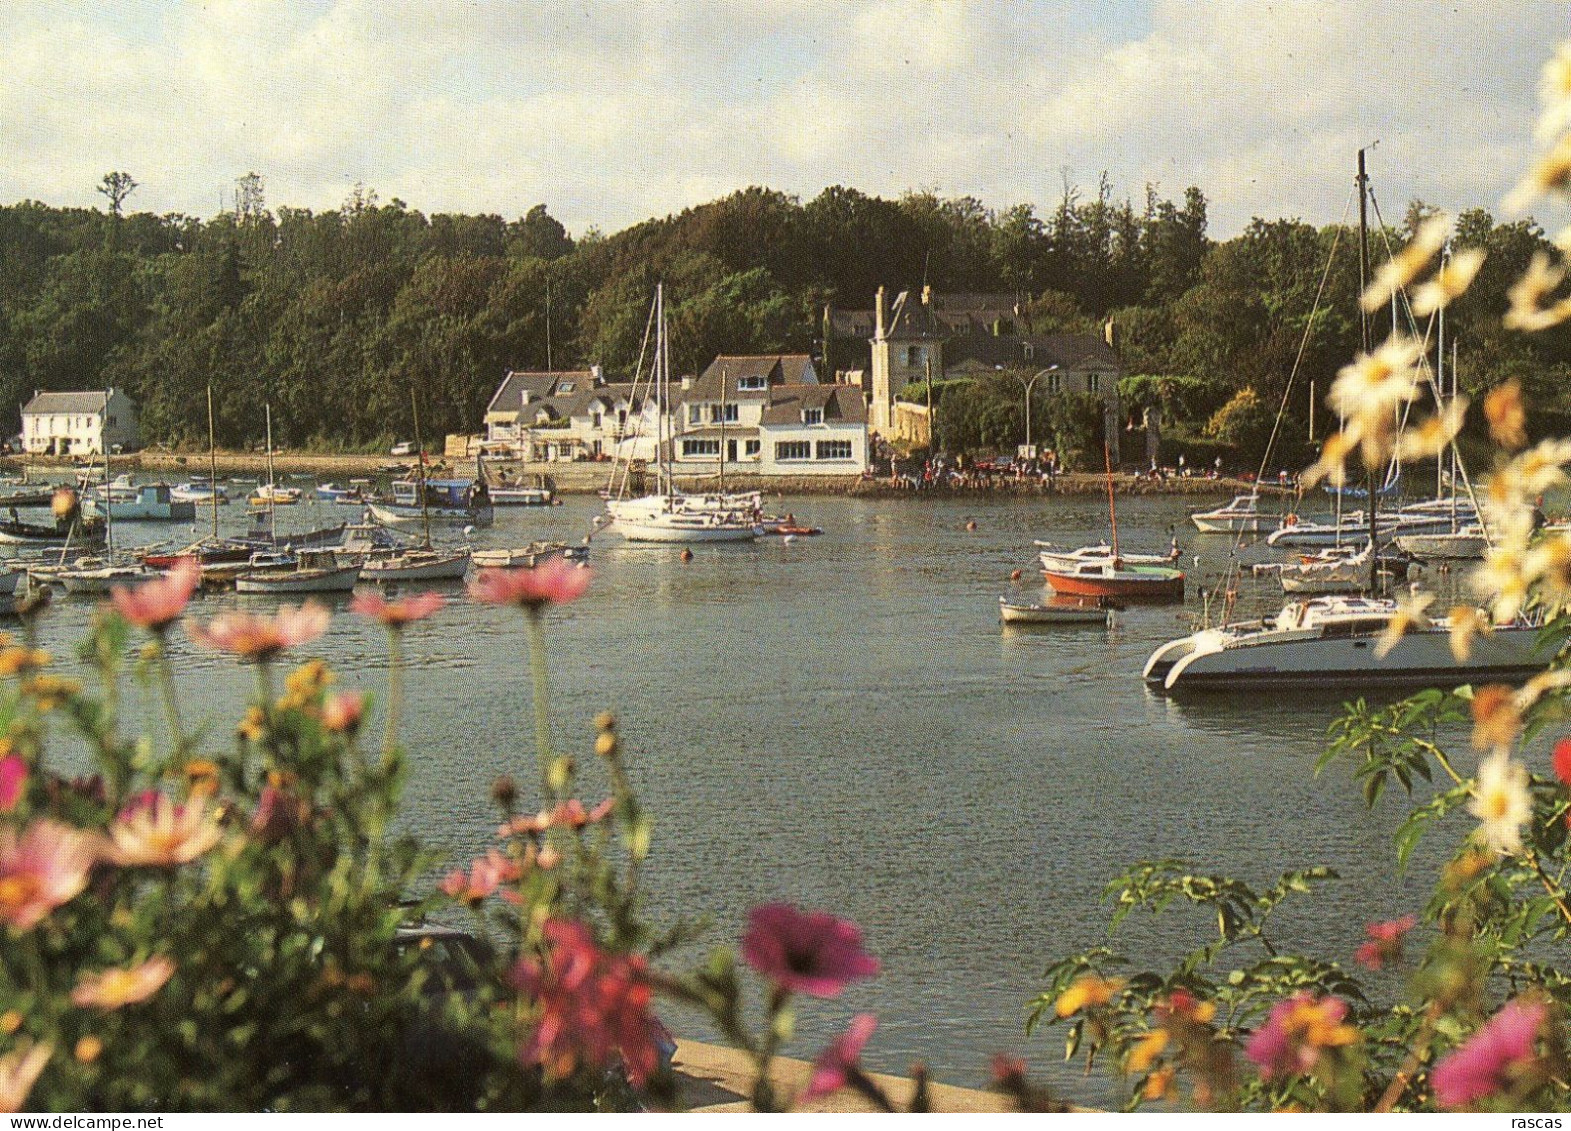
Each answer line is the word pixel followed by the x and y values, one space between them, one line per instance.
pixel 753 384
pixel 812 416
pixel 695 414
pixel 567 386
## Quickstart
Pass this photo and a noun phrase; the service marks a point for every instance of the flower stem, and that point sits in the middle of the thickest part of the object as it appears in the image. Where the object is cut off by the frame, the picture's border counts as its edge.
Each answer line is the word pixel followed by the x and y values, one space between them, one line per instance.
pixel 166 681
pixel 542 719
pixel 395 689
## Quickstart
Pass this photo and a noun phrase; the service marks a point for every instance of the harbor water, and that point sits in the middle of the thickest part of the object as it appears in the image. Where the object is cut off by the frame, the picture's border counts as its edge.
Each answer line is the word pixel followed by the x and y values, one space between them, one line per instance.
pixel 841 723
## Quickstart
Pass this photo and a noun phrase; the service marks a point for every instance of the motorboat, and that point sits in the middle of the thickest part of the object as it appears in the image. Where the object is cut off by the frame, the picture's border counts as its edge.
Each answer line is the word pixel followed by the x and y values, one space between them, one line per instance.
pixel 519 495
pixel 98 580
pixel 427 564
pixel 147 502
pixel 1081 611
pixel 1352 527
pixel 1341 569
pixel 272 495
pixel 351 495
pixel 1120 580
pixel 466 501
pixel 1331 641
pixel 315 571
pixel 527 557
pixel 200 492
pixel 1466 543
pixel 1241 516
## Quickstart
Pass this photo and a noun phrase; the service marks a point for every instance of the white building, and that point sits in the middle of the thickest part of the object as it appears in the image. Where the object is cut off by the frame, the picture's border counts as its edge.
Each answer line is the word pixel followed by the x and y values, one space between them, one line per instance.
pixel 569 415
pixel 85 423
pixel 768 415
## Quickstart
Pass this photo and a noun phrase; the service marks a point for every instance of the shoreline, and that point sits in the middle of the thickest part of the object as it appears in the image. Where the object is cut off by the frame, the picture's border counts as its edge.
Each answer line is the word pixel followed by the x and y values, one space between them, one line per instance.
pixel 589 478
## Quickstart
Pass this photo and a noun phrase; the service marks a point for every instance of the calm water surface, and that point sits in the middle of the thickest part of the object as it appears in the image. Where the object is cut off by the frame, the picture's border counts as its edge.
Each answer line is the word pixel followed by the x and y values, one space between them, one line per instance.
pixel 841 723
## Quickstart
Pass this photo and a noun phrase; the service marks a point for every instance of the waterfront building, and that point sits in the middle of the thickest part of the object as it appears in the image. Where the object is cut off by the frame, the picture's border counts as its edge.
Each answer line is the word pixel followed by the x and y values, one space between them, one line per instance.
pixel 562 416
pixel 768 415
pixel 934 336
pixel 79 423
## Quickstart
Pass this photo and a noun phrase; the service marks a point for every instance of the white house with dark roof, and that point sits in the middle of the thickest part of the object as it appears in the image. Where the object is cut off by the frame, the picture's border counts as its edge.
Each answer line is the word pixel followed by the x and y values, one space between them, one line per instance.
pixel 563 416
pixel 79 423
pixel 768 415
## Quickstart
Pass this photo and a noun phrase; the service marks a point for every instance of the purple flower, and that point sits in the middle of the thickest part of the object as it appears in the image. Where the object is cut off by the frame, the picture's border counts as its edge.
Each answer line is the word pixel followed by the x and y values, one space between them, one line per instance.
pixel 809 951
pixel 1299 1027
pixel 1480 1066
pixel 835 1064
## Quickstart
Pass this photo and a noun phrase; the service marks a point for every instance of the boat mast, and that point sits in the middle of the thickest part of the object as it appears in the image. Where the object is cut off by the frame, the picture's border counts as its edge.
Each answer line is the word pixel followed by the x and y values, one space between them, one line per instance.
pixel 722 431
pixel 667 436
pixel 212 463
pixel 1112 515
pixel 1363 326
pixel 109 514
pixel 272 491
pixel 425 504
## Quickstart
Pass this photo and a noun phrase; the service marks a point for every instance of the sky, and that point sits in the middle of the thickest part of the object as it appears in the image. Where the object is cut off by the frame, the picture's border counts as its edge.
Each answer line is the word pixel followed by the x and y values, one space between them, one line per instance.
pixel 609 112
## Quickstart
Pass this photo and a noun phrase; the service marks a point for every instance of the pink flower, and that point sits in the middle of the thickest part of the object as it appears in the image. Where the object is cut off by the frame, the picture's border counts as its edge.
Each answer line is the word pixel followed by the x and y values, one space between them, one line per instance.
pixel 111 989
pixel 153 832
pixel 1298 1029
pixel 1482 1065
pixel 1385 942
pixel 342 711
pixel 593 1006
pixel 396 614
pixel 486 874
pixel 261 638
pixel 19 1070
pixel 809 951
pixel 13 778
pixel 155 605
pixel 835 1064
pixel 1561 761
pixel 570 814
pixel 555 581
pixel 40 870
pixel 278 813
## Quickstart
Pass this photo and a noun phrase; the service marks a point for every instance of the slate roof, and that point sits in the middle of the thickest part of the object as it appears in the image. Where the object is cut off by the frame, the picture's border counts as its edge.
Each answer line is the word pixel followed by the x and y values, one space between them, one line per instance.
pixel 77 404
pixel 1067 351
pixel 776 369
pixel 838 402
pixel 539 384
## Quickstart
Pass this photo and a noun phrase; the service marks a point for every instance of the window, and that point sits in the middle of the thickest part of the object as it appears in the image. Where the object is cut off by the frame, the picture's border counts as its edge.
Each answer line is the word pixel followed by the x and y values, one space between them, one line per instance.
pixel 1030 351
pixel 753 447
pixel 834 449
pixel 1055 383
pixel 751 384
pixel 812 416
pixel 567 387
pixel 596 419
pixel 913 356
pixel 112 420
pixel 695 414
pixel 564 451
pixel 700 448
pixel 1093 382
pixel 793 449
pixel 717 413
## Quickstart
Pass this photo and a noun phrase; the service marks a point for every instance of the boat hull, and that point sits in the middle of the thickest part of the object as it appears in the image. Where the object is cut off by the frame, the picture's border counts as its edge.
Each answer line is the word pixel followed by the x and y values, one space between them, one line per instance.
pixel 1011 613
pixel 416 567
pixel 520 497
pixel 674 532
pixel 340 580
pixel 1155 587
pixel 1419 659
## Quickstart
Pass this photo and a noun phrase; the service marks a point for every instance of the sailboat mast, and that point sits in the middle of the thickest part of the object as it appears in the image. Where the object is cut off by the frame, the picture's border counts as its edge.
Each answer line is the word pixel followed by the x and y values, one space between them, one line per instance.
pixel 212 463
pixel 272 491
pixel 722 431
pixel 425 504
pixel 1363 325
pixel 1112 514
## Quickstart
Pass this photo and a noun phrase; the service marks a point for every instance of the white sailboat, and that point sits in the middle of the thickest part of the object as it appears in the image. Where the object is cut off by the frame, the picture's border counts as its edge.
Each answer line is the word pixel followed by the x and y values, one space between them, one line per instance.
pixel 424 562
pixel 669 516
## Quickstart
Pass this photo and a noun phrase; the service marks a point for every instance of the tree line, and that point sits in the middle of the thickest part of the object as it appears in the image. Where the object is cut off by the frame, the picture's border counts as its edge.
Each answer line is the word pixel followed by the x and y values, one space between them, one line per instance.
pixel 332 317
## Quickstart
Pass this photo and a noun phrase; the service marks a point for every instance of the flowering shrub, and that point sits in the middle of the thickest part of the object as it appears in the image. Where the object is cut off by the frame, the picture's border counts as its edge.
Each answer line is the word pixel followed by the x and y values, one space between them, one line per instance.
pixel 1240 1025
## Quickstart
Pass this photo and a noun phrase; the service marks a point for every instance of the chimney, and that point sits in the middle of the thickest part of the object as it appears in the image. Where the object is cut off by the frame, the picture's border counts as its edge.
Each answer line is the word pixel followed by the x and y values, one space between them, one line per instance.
pixel 687 382
pixel 927 295
pixel 878 317
pixel 597 375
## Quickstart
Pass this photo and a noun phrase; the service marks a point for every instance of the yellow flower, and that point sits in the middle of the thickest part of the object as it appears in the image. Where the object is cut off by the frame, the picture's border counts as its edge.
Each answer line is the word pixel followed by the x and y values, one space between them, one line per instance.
pixel 49 691
pixel 1146 1050
pixel 1402 268
pixel 1496 719
pixel 253 726
pixel 304 686
pixel 19 1069
pixel 1501 581
pixel 89 1049
pixel 1087 991
pixel 1528 293
pixel 1551 174
pixel 1409 617
pixel 1158 1084
pixel 1332 464
pixel 1549 563
pixel 1502 803
pixel 1540 685
pixel 16 660
pixel 1449 282
pixel 202 773
pixel 10 1022
pixel 1466 622
pixel 1433 434
pixel 111 989
pixel 158 833
pixel 1507 418
pixel 1554 91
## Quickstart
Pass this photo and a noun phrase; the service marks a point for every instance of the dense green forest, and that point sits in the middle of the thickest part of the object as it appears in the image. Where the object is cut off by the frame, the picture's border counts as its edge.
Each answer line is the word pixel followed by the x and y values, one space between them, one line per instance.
pixel 332 317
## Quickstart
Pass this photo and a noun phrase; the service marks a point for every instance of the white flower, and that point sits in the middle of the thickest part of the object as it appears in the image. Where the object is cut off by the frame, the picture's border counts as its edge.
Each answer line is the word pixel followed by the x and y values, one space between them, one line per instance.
pixel 1411 616
pixel 1501 801
pixel 1449 282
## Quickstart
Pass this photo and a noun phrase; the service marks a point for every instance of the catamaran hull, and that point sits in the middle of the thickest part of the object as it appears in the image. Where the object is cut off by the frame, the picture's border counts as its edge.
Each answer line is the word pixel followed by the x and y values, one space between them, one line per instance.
pixel 1419 659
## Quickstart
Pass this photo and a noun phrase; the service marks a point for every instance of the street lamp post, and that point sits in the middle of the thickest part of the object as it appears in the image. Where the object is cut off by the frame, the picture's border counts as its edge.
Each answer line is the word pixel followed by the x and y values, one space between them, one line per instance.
pixel 1027 387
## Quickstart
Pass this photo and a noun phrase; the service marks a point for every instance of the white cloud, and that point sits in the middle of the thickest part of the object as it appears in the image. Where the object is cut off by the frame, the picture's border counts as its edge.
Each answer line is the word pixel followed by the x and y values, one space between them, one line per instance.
pixel 613 112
